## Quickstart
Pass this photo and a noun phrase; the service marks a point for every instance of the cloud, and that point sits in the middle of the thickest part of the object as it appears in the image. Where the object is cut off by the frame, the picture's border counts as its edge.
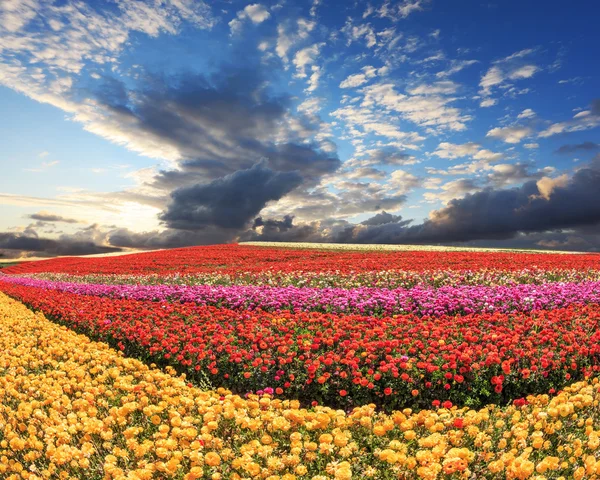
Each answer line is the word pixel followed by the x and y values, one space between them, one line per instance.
pixel 79 34
pixel 362 118
pixel 470 149
pixel 512 134
pixel 51 217
pixel 290 34
pixel 488 102
pixel 527 113
pixel 382 218
pixel 536 206
pixel 583 120
pixel 25 243
pixel 505 174
pixel 396 11
pixel 451 150
pixel 445 192
pixel 357 32
pixel 386 156
pixel 254 12
pixel 229 202
pixel 513 67
pixel 426 110
pixel 217 125
pixel 455 67
pixel 358 79
pixel 305 57
pixel 580 147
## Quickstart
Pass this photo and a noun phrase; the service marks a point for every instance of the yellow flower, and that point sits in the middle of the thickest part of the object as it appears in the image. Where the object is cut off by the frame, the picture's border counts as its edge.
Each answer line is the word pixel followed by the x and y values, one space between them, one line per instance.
pixel 212 459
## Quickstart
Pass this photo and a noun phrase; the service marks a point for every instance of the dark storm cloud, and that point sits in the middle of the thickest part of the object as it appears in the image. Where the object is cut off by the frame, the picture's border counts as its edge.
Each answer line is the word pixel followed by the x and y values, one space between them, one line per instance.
pixel 45 246
pixel 548 204
pixel 229 202
pixel 580 147
pixel 51 218
pixel 125 238
pixel 382 218
pixel 284 230
pixel 220 124
pixel 277 225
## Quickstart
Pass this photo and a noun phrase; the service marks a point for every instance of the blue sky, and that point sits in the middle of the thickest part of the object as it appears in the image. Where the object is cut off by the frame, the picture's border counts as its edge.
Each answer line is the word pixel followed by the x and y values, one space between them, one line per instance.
pixel 144 124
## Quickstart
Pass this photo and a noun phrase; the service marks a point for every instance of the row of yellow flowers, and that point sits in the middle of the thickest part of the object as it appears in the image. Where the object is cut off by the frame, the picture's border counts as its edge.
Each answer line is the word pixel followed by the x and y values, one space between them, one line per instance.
pixel 73 408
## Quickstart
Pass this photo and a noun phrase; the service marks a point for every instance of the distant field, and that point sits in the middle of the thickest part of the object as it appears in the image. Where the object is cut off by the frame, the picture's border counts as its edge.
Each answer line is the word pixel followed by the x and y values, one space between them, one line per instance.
pixel 377 357
pixel 7 263
pixel 400 248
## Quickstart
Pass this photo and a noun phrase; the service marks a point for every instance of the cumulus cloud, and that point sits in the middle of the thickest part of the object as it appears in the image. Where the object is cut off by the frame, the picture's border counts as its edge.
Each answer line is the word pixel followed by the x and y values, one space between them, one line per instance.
pixel 513 134
pixel 254 12
pixel 290 34
pixel 470 149
pixel 536 206
pixel 304 57
pixel 228 202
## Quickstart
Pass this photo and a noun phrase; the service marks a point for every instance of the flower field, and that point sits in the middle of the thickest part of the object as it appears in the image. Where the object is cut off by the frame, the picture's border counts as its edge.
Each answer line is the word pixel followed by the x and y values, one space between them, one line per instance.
pixel 244 361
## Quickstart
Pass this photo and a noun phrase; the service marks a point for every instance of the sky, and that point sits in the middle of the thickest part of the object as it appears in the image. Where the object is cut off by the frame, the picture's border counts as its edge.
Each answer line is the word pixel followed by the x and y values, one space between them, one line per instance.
pixel 168 123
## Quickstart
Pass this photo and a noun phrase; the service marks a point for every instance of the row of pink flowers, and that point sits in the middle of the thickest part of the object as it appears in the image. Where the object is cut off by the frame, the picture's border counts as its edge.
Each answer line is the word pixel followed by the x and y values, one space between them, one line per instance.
pixel 363 300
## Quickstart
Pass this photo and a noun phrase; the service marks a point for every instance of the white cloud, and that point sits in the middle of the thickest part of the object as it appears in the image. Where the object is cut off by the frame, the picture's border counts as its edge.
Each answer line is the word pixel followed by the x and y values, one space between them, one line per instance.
pixel 531 146
pixel 527 113
pixel 450 190
pixel 583 120
pixel 451 150
pixel 254 12
pixel 358 79
pixel 305 57
pixel 512 134
pixel 471 149
pixel 313 8
pixel 313 81
pixel 400 10
pixel 311 106
pixel 547 185
pixel 488 102
pixel 356 32
pixel 288 37
pixel 455 67
pixel 361 120
pixel 43 62
pixel 513 67
pixel 401 182
pixel 424 110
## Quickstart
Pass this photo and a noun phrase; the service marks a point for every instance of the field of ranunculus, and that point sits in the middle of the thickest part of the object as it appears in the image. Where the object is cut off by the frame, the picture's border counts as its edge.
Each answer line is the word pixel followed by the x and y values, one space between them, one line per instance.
pixel 242 361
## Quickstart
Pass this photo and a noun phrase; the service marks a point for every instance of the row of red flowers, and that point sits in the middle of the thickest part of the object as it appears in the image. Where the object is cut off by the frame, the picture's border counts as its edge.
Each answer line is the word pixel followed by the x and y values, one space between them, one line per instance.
pixel 239 260
pixel 344 360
